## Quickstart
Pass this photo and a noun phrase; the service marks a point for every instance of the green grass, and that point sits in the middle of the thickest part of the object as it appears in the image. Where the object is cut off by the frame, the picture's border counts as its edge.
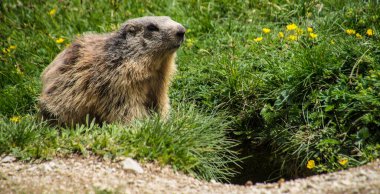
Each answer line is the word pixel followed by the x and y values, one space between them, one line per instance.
pixel 190 141
pixel 308 99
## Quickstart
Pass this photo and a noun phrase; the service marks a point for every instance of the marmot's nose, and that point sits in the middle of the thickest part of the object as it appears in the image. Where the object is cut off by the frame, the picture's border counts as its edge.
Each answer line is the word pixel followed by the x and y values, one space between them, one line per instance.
pixel 180 32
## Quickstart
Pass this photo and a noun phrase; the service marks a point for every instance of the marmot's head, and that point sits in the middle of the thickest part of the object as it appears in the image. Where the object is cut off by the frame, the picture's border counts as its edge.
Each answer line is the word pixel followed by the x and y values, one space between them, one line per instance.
pixel 152 34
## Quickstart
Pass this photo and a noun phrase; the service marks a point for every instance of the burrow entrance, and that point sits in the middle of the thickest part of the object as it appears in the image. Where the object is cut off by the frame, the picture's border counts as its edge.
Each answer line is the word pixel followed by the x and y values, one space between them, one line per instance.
pixel 260 165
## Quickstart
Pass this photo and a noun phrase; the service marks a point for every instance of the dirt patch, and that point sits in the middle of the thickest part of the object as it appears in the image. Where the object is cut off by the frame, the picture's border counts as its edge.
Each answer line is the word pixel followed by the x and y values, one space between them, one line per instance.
pixel 90 175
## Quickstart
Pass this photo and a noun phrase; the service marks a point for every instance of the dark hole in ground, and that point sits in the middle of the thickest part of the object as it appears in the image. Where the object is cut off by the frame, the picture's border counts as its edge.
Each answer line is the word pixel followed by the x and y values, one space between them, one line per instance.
pixel 260 162
pixel 262 165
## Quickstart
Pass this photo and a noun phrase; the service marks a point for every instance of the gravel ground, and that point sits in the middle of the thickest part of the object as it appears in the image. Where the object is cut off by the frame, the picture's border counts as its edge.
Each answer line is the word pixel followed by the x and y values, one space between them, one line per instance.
pixel 89 175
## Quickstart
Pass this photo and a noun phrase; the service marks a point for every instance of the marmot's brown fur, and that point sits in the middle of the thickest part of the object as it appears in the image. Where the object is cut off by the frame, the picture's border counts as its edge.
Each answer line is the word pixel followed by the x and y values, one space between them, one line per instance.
pixel 111 77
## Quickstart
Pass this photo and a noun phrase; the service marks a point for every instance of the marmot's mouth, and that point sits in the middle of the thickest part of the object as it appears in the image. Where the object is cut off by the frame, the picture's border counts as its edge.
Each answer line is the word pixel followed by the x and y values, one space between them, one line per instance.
pixel 176 46
pixel 179 43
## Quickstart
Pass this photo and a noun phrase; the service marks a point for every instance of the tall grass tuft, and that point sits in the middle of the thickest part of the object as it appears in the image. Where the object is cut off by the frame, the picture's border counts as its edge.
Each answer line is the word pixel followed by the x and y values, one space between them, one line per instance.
pixel 189 141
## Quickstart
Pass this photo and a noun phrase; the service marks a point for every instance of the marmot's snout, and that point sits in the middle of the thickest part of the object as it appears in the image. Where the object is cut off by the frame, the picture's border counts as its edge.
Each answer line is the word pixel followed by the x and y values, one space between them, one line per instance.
pixel 179 35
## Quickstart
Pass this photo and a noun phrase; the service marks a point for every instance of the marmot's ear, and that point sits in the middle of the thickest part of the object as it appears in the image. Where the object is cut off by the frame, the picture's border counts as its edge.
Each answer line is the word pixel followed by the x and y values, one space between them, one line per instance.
pixel 128 29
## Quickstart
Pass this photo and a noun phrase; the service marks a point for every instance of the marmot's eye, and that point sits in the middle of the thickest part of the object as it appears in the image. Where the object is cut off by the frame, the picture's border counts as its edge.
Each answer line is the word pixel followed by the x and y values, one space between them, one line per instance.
pixel 152 27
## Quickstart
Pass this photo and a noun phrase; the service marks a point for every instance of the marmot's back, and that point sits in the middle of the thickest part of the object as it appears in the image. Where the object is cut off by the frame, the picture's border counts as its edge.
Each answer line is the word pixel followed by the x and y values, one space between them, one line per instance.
pixel 113 77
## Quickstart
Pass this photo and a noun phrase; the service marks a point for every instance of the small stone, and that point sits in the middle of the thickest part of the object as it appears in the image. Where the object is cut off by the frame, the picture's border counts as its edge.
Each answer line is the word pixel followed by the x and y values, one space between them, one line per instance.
pixel 131 165
pixel 345 182
pixel 119 158
pixel 8 159
pixel 48 166
pixel 280 182
pixel 3 176
pixel 310 186
pixel 110 170
pixel 33 168
pixel 248 183
pixel 213 181
pixel 331 178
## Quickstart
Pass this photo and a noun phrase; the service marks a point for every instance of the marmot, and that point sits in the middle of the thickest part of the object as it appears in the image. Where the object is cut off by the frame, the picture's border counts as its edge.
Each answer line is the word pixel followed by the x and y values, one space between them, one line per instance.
pixel 112 77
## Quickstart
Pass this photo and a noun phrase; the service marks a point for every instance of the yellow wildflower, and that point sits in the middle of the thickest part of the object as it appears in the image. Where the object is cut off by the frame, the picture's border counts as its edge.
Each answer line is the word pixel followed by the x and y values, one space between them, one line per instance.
pixel 52 12
pixel 291 27
pixel 258 39
pixel 292 37
pixel 281 35
pixel 370 32
pixel 309 29
pixel 310 164
pixel 343 161
pixel 60 40
pixel 313 35
pixel 350 31
pixel 358 36
pixel 9 49
pixel 332 42
pixel 15 119
pixel 266 30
